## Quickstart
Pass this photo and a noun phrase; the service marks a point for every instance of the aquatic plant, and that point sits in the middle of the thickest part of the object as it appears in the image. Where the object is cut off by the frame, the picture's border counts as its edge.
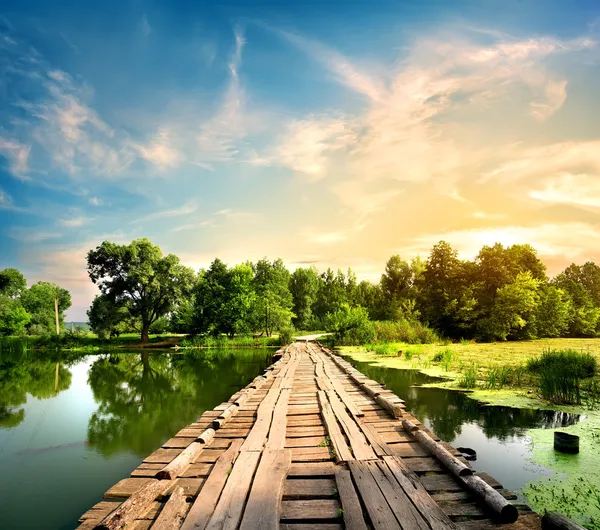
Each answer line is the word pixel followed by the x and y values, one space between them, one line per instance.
pixel 469 377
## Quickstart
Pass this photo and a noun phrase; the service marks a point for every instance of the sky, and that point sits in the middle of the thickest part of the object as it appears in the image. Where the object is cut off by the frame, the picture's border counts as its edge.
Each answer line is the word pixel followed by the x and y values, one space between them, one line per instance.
pixel 327 133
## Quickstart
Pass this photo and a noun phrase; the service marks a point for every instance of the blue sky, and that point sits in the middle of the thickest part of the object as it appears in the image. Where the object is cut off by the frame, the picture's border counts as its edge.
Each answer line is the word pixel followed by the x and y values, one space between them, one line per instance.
pixel 326 133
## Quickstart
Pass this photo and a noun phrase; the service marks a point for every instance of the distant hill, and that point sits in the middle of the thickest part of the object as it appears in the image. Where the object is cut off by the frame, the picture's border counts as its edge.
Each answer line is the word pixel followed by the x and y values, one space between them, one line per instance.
pixel 74 325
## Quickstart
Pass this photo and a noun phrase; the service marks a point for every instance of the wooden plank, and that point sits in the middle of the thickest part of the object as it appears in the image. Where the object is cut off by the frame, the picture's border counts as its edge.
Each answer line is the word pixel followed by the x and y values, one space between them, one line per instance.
pixel 311 526
pixel 162 456
pixel 126 487
pixel 306 510
pixel 206 501
pixel 312 469
pixel 310 454
pixel 172 515
pixel 228 511
pixel 398 500
pixel 360 448
pixel 353 516
pixel 342 452
pixel 186 457
pixel 298 432
pixel 263 509
pixel 277 433
pixel 380 514
pixel 412 487
pixel 297 488
pixel 314 441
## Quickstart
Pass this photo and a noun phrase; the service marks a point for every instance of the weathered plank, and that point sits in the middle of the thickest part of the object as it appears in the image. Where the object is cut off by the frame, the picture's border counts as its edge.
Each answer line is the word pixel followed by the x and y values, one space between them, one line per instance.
pixel 342 452
pixel 263 509
pixel 173 514
pixel 206 501
pixel 276 439
pixel 228 511
pixel 353 516
pixel 380 513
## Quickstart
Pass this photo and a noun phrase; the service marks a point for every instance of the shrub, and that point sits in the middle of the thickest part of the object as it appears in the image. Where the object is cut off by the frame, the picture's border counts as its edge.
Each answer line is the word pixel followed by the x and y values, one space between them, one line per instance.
pixel 581 364
pixel 469 377
pixel 286 334
pixel 351 326
pixel 444 357
pixel 408 331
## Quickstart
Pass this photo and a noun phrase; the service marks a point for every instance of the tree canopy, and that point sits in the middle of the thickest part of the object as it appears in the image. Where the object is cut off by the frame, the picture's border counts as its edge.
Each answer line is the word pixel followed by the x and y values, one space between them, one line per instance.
pixel 140 279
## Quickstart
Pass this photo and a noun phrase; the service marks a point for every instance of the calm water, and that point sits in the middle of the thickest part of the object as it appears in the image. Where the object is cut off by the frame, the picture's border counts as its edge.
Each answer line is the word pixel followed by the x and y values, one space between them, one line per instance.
pixel 496 433
pixel 70 429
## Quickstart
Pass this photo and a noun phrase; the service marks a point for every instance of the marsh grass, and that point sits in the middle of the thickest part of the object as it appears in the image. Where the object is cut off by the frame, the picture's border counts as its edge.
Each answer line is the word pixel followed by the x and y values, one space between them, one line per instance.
pixel 222 341
pixel 560 374
pixel 445 357
pixel 469 377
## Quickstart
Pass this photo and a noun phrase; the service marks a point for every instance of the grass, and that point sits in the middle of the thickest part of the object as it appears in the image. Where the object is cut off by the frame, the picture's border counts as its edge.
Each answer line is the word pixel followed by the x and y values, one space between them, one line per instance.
pixel 469 377
pixel 222 341
pixel 560 374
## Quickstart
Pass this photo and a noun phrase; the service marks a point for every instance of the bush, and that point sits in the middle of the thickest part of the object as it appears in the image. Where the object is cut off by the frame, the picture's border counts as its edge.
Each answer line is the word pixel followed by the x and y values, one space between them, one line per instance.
pixel 408 331
pixel 560 373
pixel 445 358
pixel 351 326
pixel 286 334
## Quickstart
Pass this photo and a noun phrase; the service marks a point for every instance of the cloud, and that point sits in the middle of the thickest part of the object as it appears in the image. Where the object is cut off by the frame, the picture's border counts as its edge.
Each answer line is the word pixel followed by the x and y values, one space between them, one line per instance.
pixel 17 155
pixel 95 201
pixel 160 151
pixel 571 241
pixel 5 200
pixel 32 235
pixel 567 188
pixel 186 208
pixel 145 27
pixel 72 222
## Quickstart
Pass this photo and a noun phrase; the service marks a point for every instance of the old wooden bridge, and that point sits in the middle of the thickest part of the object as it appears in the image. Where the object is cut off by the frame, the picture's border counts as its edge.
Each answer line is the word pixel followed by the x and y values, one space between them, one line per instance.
pixel 312 444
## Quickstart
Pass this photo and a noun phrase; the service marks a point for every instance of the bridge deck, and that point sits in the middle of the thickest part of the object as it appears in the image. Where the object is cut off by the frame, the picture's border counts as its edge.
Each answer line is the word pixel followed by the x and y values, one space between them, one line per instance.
pixel 313 444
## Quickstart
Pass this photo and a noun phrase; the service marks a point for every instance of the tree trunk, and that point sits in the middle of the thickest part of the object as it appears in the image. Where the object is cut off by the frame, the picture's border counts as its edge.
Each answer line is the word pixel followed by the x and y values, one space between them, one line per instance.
pixel 145 333
pixel 56 314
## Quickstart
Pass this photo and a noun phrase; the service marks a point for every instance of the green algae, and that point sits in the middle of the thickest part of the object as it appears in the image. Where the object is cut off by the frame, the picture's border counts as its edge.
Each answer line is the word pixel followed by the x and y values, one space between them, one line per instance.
pixel 574 488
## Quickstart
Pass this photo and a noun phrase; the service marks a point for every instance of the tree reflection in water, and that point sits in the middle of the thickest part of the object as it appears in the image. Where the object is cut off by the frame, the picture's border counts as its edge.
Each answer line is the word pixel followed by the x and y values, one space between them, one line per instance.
pixel 144 399
pixel 447 410
pixel 42 375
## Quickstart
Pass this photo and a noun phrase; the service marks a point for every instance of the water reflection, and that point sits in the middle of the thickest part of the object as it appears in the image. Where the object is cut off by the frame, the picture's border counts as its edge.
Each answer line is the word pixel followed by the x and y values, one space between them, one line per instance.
pixel 448 411
pixel 143 397
pixel 27 372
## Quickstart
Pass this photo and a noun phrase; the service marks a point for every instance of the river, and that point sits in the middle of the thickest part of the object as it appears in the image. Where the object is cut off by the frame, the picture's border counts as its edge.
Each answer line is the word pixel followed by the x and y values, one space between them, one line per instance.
pixel 70 428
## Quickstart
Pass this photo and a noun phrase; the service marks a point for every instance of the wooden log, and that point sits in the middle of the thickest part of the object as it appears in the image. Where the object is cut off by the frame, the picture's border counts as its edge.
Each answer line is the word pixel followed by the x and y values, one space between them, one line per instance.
pixel 186 457
pixel 353 516
pixel 566 443
pixel 393 408
pixel 504 510
pixel 173 514
pixel 455 466
pixel 135 506
pixel 263 509
pixel 205 503
pixel 556 521
pixel 277 433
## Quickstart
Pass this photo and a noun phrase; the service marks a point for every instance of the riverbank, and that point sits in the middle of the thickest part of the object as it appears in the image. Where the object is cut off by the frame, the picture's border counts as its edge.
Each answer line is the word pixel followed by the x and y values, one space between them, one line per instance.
pixel 574 487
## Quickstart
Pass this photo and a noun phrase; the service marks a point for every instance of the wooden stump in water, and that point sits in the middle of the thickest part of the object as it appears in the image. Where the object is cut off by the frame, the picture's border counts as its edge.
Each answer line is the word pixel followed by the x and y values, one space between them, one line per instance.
pixel 556 521
pixel 566 443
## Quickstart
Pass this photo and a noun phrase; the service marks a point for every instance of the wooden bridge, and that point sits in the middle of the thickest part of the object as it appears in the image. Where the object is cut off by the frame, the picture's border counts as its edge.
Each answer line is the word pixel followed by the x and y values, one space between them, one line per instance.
pixel 312 444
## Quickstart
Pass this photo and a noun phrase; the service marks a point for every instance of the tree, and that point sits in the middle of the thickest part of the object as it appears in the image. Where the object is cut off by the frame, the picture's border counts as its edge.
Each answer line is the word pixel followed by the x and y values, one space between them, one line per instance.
pixel 138 276
pixel 514 312
pixel 12 283
pixel 224 299
pixel 585 314
pixel 332 293
pixel 274 299
pixel 351 325
pixel 39 302
pixel 108 319
pixel 304 285
pixel 13 317
pixel 396 285
pixel 555 312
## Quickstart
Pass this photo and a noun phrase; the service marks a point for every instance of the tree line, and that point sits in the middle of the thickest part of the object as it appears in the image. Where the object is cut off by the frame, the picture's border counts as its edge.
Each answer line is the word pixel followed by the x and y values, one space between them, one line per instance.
pixel 33 310
pixel 502 294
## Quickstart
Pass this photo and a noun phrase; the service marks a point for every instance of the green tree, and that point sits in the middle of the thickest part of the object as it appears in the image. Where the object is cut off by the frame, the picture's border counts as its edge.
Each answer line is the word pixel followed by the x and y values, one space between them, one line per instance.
pixel 224 299
pixel 514 312
pixel 304 285
pixel 108 319
pixel 370 296
pixel 397 286
pixel 39 302
pixel 274 299
pixel 13 317
pixel 585 314
pixel 12 283
pixel 138 277
pixel 332 294
pixel 555 312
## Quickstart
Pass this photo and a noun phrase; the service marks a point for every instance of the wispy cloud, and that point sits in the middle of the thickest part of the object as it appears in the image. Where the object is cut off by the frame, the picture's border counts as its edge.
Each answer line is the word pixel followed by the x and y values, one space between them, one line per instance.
pixel 95 201
pixel 145 26
pixel 32 235
pixel 17 155
pixel 187 208
pixel 73 222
